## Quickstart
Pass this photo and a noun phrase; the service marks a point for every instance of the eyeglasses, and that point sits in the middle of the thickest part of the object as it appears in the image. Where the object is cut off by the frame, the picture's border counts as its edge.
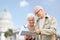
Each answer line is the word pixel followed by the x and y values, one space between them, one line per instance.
pixel 37 12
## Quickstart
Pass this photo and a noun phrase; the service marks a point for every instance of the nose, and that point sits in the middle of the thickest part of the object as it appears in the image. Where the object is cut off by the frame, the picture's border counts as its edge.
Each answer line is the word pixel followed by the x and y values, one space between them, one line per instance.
pixel 32 21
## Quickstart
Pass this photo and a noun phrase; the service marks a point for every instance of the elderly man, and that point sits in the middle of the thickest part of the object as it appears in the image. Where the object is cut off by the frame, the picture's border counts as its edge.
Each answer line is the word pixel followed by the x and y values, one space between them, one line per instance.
pixel 45 25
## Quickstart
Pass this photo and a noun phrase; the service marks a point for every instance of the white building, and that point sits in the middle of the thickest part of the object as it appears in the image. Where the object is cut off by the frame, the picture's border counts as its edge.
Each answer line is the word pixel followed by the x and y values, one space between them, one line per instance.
pixel 5 24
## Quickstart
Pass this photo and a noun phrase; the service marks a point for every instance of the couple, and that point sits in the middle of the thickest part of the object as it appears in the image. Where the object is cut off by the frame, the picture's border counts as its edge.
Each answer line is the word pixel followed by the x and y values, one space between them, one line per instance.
pixel 44 28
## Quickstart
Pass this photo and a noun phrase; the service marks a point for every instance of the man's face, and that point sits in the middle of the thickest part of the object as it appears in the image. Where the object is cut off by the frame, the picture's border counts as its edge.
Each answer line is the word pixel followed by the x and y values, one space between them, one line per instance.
pixel 31 20
pixel 39 13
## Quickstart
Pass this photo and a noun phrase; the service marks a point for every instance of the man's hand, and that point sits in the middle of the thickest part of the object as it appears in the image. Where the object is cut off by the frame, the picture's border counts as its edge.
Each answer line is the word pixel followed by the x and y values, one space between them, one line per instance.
pixel 37 31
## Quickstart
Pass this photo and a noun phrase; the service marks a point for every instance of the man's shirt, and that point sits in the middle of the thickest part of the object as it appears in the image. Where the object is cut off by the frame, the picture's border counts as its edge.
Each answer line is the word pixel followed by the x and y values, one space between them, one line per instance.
pixel 41 23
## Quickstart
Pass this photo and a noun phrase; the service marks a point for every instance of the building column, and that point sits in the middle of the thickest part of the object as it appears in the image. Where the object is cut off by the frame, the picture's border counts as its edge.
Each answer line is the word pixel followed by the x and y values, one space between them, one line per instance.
pixel 2 36
pixel 17 36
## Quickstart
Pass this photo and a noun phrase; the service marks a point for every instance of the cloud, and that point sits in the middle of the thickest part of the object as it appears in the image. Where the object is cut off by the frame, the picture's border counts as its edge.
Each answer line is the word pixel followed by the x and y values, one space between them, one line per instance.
pixel 24 3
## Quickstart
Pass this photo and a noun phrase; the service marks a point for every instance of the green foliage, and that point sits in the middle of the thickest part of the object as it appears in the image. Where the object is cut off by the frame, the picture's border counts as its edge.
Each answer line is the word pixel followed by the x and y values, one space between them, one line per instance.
pixel 8 33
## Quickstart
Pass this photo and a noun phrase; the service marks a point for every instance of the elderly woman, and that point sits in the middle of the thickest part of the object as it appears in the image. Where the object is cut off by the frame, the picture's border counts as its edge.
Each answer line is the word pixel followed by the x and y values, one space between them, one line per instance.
pixel 29 27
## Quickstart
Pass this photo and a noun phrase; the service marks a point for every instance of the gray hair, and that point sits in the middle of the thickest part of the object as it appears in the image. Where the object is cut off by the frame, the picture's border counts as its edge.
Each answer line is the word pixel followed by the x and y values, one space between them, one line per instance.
pixel 30 15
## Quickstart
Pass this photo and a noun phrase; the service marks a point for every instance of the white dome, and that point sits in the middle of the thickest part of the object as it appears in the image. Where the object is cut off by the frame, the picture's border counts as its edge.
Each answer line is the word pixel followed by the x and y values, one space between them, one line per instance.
pixel 5 21
pixel 6 15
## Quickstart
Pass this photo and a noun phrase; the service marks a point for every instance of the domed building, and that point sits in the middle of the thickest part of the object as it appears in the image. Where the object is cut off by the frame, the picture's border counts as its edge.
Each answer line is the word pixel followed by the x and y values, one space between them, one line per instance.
pixel 5 23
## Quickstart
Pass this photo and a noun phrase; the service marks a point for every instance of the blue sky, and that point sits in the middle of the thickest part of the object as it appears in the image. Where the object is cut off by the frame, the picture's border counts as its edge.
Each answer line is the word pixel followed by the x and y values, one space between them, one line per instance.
pixel 20 8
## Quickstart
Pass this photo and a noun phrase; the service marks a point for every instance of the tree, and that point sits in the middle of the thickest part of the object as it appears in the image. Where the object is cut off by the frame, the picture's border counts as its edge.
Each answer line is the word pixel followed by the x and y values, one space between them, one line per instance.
pixel 8 33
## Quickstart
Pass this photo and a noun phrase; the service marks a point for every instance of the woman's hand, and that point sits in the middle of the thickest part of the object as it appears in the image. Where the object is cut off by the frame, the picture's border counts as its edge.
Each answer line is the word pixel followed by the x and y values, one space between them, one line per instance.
pixel 27 36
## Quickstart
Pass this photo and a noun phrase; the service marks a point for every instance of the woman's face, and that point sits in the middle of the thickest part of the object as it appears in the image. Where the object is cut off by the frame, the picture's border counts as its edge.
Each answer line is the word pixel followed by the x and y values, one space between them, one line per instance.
pixel 31 21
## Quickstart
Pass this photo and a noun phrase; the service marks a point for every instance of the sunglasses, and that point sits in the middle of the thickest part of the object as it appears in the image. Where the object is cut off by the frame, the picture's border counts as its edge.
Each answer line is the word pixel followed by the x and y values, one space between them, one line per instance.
pixel 37 12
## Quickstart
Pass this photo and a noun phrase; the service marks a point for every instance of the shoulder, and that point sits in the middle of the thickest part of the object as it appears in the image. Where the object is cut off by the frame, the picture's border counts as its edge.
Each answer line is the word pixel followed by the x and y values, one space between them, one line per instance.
pixel 24 26
pixel 53 18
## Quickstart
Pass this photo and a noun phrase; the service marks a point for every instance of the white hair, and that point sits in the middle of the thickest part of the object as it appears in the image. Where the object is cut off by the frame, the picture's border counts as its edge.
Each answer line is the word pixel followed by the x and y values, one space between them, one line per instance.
pixel 39 7
pixel 30 15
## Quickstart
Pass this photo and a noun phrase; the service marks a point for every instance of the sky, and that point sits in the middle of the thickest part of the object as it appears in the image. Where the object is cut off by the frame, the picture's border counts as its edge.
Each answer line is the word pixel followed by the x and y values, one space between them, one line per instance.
pixel 20 8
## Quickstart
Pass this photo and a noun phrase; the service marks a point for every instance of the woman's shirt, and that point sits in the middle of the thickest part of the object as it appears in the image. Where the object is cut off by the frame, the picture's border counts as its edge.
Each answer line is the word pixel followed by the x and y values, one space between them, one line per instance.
pixel 25 28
